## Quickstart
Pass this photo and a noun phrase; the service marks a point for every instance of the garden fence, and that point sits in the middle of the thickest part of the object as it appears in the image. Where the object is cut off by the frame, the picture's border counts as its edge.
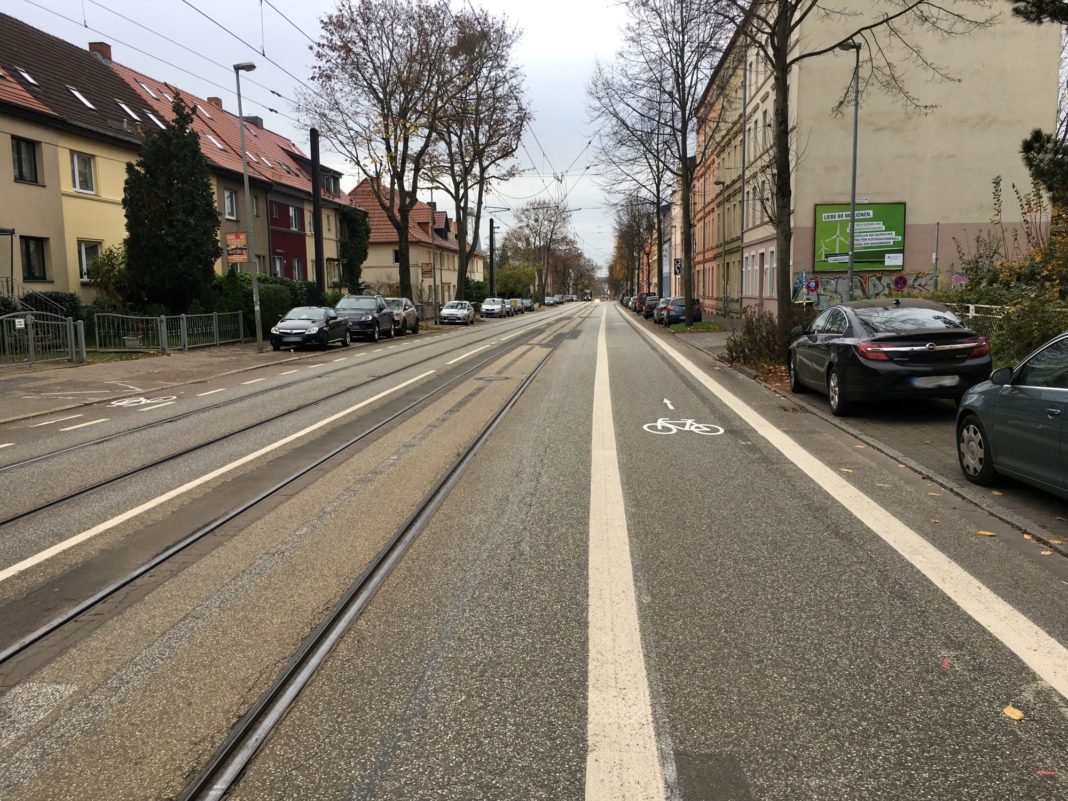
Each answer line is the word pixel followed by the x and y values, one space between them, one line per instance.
pixel 32 337
pixel 123 332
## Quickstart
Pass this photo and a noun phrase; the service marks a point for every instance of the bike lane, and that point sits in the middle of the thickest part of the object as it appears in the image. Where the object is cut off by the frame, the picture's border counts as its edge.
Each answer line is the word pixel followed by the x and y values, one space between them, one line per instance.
pixel 791 652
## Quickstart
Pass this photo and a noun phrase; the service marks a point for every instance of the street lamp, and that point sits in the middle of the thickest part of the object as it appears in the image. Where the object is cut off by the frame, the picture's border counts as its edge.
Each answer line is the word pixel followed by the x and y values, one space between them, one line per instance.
pixel 248 66
pixel 855 47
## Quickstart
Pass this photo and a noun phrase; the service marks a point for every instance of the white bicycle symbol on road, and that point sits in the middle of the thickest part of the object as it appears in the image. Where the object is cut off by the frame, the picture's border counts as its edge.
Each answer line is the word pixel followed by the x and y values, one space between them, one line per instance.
pixel 665 426
pixel 126 403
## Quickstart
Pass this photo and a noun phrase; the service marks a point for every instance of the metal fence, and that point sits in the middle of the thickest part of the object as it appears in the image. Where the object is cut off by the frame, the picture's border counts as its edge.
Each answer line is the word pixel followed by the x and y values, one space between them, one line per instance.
pixel 32 337
pixel 119 332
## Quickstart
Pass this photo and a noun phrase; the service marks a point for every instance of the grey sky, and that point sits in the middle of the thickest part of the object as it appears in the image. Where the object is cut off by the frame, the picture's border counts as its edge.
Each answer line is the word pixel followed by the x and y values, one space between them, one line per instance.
pixel 561 41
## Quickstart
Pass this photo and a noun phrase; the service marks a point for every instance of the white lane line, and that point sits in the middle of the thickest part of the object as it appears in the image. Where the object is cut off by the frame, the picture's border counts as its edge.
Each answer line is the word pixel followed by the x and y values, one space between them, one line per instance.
pixel 155 406
pixel 253 381
pixel 57 420
pixel 6 444
pixel 70 542
pixel 1037 649
pixel 288 372
pixel 128 386
pixel 210 392
pixel 83 425
pixel 376 350
pixel 343 358
pixel 622 759
pixel 389 347
pixel 517 333
pixel 469 353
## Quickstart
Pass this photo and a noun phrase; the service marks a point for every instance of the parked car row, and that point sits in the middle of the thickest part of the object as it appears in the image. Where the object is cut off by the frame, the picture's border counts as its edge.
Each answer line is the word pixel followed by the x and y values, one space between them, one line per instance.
pixel 368 316
pixel 662 311
pixel 556 300
pixel 505 307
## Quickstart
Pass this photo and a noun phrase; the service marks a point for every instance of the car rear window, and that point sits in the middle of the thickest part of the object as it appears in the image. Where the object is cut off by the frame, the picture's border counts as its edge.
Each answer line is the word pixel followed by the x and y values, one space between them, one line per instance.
pixel 357 303
pixel 898 321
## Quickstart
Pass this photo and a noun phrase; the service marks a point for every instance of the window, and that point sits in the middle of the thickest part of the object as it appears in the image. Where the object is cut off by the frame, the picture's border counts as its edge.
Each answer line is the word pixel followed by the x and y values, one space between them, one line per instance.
pixel 88 252
pixel 230 204
pixel 26 75
pixel 155 119
pixel 81 168
pixel 294 219
pixel 276 266
pixel 33 258
pixel 1047 368
pixel 298 269
pixel 215 141
pixel 200 108
pixel 769 282
pixel 148 89
pixel 396 256
pixel 128 110
pixel 83 98
pixel 328 223
pixel 24 156
pixel 263 158
pixel 261 263
pixel 255 206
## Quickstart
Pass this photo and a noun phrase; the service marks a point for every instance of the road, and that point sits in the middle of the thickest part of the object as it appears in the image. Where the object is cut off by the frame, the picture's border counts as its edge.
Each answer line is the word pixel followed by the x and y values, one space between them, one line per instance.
pixel 654 580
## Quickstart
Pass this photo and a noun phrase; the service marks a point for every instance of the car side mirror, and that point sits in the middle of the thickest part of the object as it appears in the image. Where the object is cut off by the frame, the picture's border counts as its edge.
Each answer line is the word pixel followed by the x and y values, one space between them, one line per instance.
pixel 797 331
pixel 1001 376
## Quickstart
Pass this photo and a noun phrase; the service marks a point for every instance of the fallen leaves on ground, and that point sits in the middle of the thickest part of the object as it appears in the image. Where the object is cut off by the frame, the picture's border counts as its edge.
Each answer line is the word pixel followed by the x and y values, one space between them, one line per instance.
pixel 1047 553
pixel 996 492
pixel 1028 537
pixel 844 470
pixel 1012 712
pixel 775 376
pixel 984 533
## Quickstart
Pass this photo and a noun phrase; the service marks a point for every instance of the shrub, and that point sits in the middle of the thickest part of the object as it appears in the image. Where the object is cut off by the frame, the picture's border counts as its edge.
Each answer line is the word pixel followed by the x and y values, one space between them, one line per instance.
pixel 763 339
pixel 7 305
pixel 331 297
pixel 1024 326
pixel 275 301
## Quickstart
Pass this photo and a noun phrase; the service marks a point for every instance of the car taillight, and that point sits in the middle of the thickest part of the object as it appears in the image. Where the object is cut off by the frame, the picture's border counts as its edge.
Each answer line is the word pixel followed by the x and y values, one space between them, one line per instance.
pixel 868 350
pixel 981 347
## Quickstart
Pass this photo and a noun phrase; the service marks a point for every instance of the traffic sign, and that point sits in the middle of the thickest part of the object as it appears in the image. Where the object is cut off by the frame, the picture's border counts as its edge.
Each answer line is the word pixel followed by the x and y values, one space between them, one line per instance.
pixel 678 266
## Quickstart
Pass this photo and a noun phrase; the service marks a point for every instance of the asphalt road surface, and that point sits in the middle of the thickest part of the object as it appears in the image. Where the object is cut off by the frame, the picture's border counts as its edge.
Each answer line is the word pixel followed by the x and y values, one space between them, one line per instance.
pixel 656 580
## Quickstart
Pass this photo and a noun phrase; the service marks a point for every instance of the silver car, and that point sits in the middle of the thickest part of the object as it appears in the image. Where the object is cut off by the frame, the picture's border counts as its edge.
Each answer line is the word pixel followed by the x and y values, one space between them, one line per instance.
pixel 405 315
pixel 457 311
pixel 493 307
pixel 1015 423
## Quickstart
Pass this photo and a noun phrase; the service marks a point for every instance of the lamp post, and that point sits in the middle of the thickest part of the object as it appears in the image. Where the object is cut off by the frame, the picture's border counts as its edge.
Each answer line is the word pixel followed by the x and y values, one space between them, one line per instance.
pixel 855 47
pixel 248 66
pixel 722 245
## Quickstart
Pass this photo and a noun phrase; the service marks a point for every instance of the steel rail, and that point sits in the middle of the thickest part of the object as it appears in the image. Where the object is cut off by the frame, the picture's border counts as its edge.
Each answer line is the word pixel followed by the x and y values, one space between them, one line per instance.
pixel 250 732
pixel 66 498
pixel 74 612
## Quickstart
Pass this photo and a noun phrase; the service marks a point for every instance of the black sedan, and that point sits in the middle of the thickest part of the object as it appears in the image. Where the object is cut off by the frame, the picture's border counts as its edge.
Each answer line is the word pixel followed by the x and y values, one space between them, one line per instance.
pixel 309 325
pixel 870 350
pixel 366 316
pixel 1017 422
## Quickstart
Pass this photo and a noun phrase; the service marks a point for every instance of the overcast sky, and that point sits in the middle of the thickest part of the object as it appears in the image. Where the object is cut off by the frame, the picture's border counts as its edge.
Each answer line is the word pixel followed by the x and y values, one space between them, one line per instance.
pixel 562 40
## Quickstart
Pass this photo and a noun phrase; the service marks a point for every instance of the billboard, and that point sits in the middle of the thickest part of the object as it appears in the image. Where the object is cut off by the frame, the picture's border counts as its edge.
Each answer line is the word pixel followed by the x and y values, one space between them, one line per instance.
pixel 236 248
pixel 879 239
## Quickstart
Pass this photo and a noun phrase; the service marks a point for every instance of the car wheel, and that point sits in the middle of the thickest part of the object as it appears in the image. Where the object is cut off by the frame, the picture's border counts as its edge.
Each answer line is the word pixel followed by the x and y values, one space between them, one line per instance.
pixel 347 339
pixel 795 383
pixel 839 406
pixel 374 334
pixel 392 332
pixel 324 340
pixel 275 347
pixel 404 326
pixel 415 327
pixel 973 451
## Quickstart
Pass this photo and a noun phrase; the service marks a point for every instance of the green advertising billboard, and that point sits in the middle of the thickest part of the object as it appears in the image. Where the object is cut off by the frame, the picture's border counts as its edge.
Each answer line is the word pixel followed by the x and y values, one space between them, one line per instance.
pixel 880 237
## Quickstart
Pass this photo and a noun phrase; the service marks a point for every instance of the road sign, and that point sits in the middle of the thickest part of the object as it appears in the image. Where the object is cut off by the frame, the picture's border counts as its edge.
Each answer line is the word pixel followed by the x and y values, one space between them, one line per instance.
pixel 901 283
pixel 812 285
pixel 20 322
pixel 678 266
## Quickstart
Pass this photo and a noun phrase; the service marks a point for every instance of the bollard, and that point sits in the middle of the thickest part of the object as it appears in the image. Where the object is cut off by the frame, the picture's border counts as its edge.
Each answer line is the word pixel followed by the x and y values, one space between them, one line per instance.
pixel 183 325
pixel 30 352
pixel 163 334
pixel 215 325
pixel 70 339
pixel 79 329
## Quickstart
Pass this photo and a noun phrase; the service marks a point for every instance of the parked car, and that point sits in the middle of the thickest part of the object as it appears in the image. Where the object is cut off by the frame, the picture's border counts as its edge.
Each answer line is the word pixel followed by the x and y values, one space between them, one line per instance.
pixel 309 325
pixel 527 304
pixel 870 350
pixel 649 306
pixel 457 311
pixel 1015 423
pixel 493 307
pixel 405 315
pixel 509 311
pixel 552 300
pixel 517 305
pixel 366 315
pixel 632 301
pixel 658 312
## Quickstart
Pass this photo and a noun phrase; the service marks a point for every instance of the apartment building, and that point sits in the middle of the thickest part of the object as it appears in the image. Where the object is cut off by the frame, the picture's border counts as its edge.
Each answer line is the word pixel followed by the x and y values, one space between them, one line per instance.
pixel 923 175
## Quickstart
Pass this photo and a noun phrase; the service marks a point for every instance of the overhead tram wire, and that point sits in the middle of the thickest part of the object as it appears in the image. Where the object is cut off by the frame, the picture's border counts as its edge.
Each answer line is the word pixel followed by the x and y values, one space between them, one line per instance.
pixel 170 64
pixel 296 27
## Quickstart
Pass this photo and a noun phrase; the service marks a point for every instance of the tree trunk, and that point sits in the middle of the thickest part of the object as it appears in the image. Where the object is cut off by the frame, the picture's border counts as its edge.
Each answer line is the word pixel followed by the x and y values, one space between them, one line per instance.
pixel 404 252
pixel 685 190
pixel 784 231
pixel 461 258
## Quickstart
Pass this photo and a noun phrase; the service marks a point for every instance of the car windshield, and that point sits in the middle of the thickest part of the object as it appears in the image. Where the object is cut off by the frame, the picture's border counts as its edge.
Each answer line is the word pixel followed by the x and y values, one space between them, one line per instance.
pixel 304 313
pixel 491 302
pixel 904 319
pixel 360 304
pixel 395 303
pixel 454 304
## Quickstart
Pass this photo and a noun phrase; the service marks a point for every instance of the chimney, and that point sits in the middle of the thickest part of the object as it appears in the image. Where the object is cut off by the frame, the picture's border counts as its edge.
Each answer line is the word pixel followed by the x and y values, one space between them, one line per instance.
pixel 257 121
pixel 216 101
pixel 102 49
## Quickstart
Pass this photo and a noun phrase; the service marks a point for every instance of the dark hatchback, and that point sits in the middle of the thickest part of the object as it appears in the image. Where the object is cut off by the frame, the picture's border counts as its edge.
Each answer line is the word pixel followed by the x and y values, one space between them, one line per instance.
pixel 309 325
pixel 872 350
pixel 366 316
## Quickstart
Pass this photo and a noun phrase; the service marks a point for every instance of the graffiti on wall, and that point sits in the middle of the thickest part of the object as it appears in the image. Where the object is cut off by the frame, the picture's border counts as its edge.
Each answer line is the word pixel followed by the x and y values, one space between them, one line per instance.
pixel 827 290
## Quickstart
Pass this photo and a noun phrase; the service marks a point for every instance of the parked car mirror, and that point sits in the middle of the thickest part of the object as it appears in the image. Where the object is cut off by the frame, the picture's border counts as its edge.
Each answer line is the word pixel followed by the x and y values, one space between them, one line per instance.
pixel 799 330
pixel 1001 376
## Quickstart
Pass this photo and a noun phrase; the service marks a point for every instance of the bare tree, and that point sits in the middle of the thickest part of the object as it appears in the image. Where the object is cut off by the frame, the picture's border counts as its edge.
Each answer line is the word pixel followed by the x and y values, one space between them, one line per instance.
pixel 482 125
pixel 771 28
pixel 632 226
pixel 385 70
pixel 539 226
pixel 670 50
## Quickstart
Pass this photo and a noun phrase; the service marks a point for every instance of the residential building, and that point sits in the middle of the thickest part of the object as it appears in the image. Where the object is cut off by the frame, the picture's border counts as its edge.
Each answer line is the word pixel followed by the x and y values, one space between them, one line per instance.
pixel 923 176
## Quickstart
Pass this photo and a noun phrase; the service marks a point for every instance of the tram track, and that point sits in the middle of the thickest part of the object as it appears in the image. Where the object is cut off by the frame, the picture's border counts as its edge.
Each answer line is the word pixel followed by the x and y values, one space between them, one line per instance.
pixel 73 613
pixel 132 472
pixel 228 762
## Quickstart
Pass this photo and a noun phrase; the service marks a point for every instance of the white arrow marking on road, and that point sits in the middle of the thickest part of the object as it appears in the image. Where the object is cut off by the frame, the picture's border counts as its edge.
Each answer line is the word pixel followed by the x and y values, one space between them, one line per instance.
pixel 668 404
pixel 60 547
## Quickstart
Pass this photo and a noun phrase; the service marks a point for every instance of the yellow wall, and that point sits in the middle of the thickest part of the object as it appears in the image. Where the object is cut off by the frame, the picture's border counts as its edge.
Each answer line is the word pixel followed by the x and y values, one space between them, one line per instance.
pixel 97 216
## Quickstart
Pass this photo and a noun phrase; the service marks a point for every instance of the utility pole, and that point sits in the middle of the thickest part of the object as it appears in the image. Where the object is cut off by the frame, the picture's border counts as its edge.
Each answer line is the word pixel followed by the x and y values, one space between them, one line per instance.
pixel 492 273
pixel 248 66
pixel 854 46
pixel 317 212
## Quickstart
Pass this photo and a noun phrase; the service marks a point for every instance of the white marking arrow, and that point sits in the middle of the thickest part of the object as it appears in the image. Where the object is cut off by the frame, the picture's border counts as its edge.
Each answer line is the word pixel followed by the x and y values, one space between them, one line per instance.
pixel 668 404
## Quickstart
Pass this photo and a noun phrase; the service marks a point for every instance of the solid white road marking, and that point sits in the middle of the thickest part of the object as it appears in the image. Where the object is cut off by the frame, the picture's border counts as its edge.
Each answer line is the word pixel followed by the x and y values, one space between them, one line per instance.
pixel 253 381
pixel 517 333
pixel 211 392
pixel 288 372
pixel 57 420
pixel 157 406
pixel 622 760
pixel 6 444
pixel 343 358
pixel 469 353
pixel 60 547
pixel 83 425
pixel 1037 649
pixel 668 404
pixel 128 386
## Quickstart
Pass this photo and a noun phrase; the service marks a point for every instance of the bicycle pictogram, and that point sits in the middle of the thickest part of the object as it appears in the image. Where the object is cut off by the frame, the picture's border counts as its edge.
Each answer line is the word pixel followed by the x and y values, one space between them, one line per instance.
pixel 127 403
pixel 665 426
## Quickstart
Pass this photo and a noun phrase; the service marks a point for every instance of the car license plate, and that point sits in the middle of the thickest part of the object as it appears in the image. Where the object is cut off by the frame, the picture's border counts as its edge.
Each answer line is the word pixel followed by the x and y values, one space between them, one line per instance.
pixel 935 381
